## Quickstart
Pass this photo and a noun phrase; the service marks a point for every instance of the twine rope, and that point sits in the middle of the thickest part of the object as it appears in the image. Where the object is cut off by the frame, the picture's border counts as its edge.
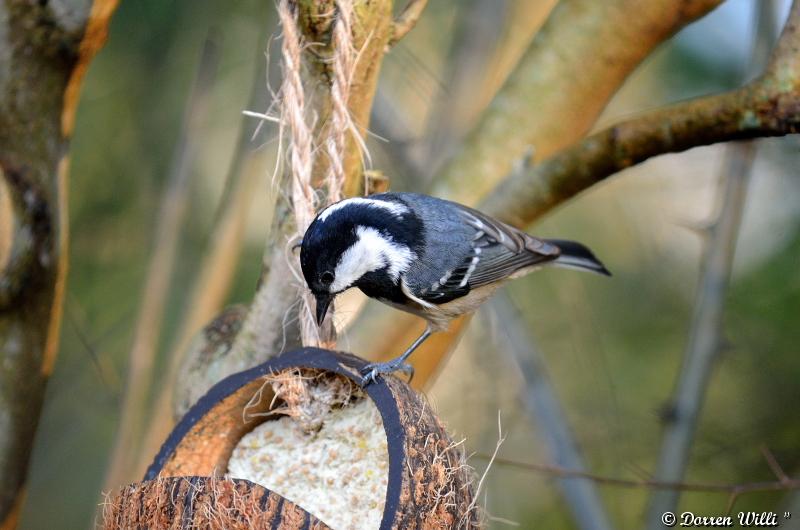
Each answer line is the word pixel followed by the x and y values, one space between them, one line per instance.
pixel 341 122
pixel 300 141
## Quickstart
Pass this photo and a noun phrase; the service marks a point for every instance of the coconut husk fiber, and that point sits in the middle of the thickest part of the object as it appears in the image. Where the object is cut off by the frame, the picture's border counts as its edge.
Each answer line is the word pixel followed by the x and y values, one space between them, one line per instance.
pixel 204 502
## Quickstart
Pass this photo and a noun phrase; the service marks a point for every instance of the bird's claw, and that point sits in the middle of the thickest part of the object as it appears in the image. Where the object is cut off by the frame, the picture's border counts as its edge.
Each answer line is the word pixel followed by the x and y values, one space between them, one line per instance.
pixel 371 371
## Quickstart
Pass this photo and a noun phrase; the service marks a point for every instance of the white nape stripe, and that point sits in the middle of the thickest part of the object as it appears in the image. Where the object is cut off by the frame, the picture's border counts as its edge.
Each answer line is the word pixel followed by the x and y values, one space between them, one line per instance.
pixel 395 208
pixel 371 251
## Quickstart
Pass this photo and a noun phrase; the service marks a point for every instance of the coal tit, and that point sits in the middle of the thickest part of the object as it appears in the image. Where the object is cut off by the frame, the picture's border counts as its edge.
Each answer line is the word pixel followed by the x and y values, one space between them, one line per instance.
pixel 427 256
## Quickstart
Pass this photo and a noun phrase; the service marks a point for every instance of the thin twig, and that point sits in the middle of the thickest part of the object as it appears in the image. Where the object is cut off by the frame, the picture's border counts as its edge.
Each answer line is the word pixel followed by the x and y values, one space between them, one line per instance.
pixel 561 472
pixel 214 277
pixel 773 464
pixel 479 26
pixel 706 332
pixel 407 19
pixel 500 440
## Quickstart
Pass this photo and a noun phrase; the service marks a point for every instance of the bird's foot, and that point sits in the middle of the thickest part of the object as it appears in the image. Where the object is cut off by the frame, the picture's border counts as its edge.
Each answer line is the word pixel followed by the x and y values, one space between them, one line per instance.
pixel 371 371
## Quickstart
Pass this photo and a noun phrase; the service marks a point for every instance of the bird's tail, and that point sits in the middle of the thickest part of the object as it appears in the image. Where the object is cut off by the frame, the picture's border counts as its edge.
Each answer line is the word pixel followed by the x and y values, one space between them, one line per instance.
pixel 576 256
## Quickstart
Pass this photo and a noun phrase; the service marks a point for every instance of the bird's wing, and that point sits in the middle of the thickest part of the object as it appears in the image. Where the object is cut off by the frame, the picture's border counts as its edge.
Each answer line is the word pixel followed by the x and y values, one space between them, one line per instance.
pixel 497 251
pixel 516 241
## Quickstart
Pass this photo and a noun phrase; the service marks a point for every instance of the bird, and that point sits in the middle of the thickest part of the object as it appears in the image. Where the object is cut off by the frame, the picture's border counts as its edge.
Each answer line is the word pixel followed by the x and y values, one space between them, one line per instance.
pixel 424 255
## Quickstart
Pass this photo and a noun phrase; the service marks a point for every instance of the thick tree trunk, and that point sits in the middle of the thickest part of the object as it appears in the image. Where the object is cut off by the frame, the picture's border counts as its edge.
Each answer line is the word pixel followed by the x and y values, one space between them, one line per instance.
pixel 44 52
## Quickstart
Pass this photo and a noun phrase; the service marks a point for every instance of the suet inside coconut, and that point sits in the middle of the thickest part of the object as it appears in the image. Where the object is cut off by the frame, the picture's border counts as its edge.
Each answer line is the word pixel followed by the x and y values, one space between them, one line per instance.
pixel 326 450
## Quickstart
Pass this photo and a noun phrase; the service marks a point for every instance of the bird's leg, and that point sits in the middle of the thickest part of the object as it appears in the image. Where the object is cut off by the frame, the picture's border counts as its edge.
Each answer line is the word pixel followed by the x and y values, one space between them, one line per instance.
pixel 371 371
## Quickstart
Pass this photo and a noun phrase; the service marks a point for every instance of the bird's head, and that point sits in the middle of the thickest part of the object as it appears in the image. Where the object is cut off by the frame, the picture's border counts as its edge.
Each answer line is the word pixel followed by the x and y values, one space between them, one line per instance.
pixel 352 239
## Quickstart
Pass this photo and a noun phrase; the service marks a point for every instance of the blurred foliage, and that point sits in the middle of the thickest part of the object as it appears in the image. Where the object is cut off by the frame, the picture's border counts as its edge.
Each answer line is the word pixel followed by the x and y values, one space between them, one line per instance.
pixel 612 347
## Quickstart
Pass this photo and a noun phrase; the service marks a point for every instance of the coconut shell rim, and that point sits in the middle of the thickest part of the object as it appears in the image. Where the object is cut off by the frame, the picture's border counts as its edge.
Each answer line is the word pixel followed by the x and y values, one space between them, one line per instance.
pixel 341 363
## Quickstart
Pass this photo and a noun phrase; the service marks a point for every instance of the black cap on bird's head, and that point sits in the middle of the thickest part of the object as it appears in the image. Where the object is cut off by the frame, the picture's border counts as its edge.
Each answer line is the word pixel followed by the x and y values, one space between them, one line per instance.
pixel 347 240
pixel 320 252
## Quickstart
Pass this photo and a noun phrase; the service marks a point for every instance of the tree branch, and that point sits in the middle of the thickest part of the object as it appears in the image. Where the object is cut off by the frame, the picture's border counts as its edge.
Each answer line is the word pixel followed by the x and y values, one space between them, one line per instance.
pixel 768 106
pixel 683 413
pixel 549 100
pixel 488 43
pixel 555 94
pixel 566 104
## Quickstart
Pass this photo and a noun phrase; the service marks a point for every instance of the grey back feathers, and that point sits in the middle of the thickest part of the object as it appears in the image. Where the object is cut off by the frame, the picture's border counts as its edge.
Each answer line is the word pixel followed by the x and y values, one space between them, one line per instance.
pixel 466 249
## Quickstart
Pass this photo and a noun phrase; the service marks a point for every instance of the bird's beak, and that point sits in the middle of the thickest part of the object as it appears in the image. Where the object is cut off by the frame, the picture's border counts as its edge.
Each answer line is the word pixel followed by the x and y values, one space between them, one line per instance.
pixel 323 302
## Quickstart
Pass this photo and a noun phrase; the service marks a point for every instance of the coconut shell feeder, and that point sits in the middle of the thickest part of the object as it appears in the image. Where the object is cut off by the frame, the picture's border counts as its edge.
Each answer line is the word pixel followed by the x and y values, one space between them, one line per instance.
pixel 296 442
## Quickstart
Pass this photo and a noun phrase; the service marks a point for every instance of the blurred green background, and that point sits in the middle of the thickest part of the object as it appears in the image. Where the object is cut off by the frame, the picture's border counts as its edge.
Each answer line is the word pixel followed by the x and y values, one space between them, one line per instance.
pixel 612 348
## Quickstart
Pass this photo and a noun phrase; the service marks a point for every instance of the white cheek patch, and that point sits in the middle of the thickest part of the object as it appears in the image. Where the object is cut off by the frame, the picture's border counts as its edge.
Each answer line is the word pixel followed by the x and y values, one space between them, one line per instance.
pixel 372 251
pixel 395 208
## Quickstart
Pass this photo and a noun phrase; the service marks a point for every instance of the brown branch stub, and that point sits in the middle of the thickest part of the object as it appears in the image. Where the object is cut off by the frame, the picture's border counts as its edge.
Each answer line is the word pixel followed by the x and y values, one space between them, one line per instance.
pixel 407 19
pixel 205 353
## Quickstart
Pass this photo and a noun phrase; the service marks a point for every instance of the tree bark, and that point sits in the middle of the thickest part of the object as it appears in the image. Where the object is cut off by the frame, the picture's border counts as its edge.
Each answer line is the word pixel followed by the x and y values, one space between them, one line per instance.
pixel 44 52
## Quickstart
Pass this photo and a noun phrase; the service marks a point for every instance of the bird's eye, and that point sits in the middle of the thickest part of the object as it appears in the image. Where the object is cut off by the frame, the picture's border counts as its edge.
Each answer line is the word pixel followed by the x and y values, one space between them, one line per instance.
pixel 326 278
